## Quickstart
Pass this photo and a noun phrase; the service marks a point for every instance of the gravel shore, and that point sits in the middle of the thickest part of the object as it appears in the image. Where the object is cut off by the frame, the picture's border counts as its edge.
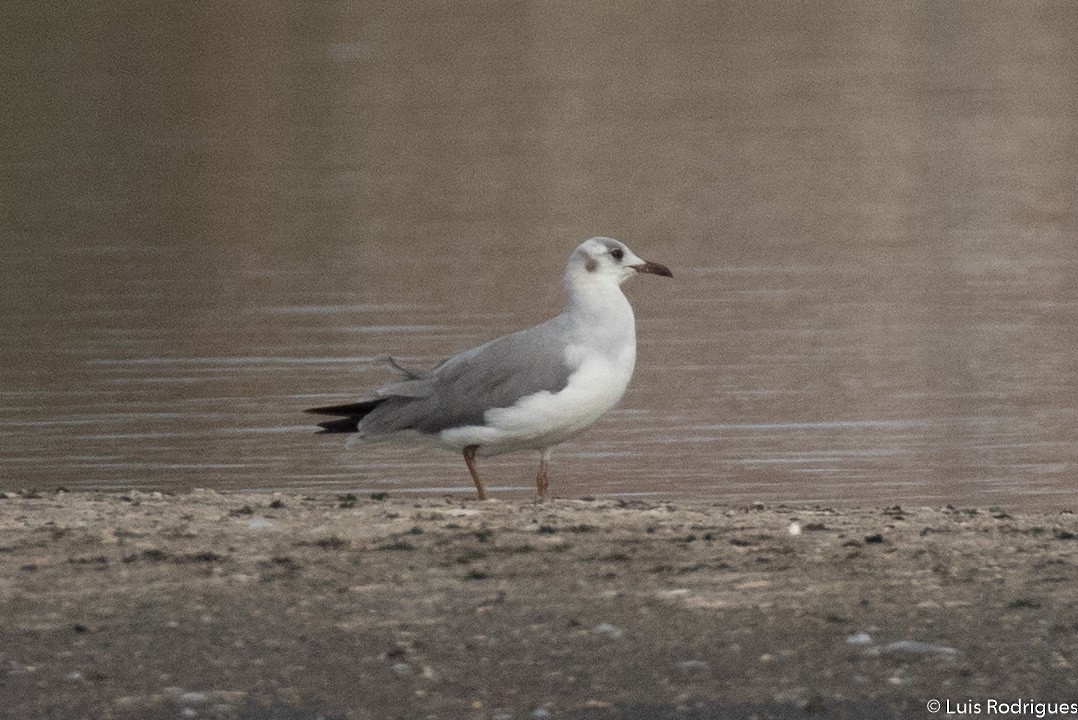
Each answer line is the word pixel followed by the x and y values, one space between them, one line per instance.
pixel 211 605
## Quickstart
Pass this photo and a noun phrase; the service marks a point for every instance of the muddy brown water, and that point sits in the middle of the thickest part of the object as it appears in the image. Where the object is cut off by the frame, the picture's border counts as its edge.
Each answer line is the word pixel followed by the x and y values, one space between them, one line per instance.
pixel 216 216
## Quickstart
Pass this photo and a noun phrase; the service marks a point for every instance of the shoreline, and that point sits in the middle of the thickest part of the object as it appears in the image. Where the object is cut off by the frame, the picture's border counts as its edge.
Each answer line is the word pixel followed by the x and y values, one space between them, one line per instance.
pixel 274 605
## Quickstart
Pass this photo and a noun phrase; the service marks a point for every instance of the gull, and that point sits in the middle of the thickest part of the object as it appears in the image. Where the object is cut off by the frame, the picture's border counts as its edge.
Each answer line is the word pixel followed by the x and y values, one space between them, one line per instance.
pixel 529 390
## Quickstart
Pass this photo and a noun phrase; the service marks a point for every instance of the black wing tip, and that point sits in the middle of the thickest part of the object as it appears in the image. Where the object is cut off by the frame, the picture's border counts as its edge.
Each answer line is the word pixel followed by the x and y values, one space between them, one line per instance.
pixel 348 415
pixel 340 425
pixel 348 409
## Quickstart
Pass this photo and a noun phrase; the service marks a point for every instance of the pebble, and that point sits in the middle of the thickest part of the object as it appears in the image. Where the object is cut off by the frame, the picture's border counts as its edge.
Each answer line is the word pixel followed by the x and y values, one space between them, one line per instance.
pixel 611 631
pixel 794 528
pixel 860 638
pixel 402 668
pixel 540 713
pixel 260 523
pixel 914 646
pixel 193 698
pixel 693 666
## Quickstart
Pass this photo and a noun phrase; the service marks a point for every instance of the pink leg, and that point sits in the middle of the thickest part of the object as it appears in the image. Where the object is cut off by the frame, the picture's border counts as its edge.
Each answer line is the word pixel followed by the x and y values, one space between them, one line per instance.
pixel 469 457
pixel 541 480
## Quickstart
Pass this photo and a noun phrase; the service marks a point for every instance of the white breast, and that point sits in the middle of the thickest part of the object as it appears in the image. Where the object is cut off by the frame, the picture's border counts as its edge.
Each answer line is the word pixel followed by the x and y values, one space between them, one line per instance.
pixel 545 419
pixel 600 344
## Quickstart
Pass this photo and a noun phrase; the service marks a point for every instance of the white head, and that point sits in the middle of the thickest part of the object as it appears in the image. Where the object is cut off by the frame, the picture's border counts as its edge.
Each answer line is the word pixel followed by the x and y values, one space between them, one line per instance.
pixel 606 259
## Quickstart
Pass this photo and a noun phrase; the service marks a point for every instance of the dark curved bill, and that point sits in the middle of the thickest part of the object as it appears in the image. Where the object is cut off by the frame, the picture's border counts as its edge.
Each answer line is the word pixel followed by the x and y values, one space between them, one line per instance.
pixel 654 268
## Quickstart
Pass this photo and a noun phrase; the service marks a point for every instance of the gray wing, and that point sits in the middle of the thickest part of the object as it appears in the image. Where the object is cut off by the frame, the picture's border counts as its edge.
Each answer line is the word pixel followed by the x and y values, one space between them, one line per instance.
pixel 461 389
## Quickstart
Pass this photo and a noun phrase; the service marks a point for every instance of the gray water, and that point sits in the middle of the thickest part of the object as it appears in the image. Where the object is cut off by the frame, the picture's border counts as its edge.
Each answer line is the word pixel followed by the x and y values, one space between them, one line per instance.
pixel 213 216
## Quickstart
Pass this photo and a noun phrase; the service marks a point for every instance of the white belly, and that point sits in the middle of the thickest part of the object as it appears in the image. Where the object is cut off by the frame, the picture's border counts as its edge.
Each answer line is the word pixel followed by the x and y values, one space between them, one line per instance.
pixel 545 419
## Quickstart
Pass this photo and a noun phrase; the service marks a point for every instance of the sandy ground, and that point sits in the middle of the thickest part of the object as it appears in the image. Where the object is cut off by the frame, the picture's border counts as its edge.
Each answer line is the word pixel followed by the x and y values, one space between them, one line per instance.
pixel 208 605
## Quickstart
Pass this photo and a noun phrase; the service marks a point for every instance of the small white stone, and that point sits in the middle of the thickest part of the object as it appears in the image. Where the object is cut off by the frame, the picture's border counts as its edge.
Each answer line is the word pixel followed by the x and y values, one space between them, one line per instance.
pixel 693 665
pixel 914 646
pixel 795 528
pixel 611 631
pixel 860 638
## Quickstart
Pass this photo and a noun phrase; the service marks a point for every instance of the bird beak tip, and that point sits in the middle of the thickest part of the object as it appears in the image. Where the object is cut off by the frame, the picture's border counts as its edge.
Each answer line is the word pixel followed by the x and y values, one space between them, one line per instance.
pixel 654 268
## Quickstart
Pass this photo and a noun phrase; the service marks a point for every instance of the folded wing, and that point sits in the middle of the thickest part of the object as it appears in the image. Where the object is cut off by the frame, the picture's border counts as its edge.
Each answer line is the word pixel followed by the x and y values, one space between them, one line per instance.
pixel 461 389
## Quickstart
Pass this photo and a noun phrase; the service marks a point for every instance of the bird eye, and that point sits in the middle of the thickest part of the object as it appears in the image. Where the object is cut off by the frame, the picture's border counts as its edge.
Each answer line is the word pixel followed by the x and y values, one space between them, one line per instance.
pixel 617 253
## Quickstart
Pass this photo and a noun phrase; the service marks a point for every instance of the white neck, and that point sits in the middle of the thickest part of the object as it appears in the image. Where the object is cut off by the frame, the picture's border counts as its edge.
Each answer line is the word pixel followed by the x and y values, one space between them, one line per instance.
pixel 598 308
